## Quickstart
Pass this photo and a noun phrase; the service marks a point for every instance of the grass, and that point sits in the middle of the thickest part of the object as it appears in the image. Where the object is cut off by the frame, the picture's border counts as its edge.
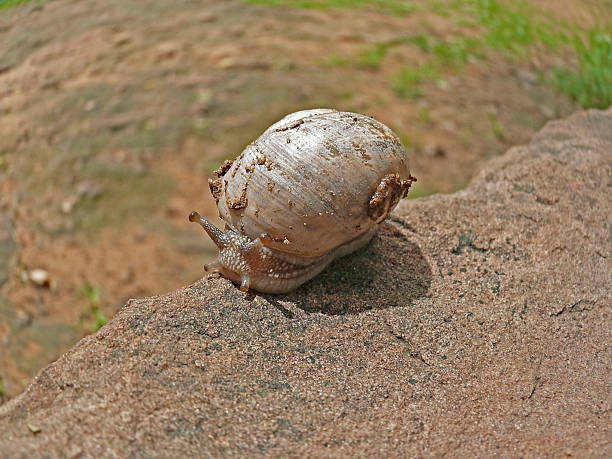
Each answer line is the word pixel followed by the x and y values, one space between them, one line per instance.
pixel 373 55
pixel 421 41
pixel 10 3
pixel 591 83
pixel 456 52
pixel 408 82
pixel 512 28
pixel 395 7
pixel 507 28
pixel 335 60
pixel 93 294
pixel 496 127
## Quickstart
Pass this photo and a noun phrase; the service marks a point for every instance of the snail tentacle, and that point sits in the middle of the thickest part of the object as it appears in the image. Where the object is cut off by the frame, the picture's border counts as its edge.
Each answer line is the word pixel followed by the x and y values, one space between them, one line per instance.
pixel 217 236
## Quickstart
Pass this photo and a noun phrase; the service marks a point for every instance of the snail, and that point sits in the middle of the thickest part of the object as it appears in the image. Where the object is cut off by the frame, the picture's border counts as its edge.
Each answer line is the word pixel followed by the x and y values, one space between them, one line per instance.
pixel 313 187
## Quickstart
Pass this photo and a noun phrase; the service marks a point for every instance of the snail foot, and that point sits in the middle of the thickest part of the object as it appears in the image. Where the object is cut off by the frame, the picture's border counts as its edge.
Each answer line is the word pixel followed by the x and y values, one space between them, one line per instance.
pixel 212 267
pixel 245 284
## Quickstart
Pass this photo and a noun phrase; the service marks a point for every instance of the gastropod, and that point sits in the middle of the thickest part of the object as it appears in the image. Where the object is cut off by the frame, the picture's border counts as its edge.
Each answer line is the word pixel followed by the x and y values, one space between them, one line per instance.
pixel 313 187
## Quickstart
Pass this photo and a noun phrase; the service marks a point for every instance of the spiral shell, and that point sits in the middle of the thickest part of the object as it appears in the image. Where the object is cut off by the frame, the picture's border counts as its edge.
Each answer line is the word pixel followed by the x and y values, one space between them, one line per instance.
pixel 309 179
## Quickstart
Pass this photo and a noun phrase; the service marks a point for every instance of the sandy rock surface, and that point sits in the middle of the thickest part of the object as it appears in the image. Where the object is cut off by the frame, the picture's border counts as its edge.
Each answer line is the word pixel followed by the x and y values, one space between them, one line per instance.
pixel 475 323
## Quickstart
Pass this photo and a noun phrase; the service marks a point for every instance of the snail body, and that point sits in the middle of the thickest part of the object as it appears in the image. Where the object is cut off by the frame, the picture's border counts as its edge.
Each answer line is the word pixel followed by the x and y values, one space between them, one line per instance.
pixel 313 187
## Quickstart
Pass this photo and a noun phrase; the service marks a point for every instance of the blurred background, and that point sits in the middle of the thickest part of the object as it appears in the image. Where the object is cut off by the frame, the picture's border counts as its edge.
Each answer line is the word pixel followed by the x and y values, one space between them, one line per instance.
pixel 114 113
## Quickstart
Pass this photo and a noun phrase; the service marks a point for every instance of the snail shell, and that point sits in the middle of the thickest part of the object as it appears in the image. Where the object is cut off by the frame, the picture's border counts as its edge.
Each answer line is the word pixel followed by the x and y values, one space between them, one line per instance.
pixel 314 186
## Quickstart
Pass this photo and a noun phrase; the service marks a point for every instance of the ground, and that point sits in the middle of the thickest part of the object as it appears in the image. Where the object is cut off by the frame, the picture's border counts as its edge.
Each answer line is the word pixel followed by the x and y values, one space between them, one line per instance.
pixel 113 119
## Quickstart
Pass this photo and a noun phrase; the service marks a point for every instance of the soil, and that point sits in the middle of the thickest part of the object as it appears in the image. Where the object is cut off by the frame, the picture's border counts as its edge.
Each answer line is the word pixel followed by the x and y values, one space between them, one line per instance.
pixel 113 119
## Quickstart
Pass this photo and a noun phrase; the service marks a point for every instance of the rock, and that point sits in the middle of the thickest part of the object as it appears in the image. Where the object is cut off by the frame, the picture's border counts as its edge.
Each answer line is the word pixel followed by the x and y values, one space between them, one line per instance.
pixel 39 277
pixel 68 204
pixel 476 323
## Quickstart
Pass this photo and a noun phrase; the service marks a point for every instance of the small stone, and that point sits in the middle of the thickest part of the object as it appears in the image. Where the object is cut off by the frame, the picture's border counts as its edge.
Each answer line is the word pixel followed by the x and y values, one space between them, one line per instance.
pixel 68 204
pixel 90 105
pixel 32 428
pixel 40 277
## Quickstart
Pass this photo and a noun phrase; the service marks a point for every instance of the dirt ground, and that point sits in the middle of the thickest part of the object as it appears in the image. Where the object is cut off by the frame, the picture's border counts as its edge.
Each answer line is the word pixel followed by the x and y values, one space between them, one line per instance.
pixel 113 117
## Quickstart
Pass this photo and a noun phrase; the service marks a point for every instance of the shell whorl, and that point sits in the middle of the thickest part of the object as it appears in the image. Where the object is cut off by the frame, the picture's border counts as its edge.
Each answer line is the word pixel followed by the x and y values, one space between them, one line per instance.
pixel 314 172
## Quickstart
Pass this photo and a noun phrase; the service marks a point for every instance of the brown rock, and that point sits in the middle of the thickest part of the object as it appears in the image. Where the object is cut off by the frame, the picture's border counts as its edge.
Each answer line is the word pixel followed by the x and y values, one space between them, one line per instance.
pixel 475 324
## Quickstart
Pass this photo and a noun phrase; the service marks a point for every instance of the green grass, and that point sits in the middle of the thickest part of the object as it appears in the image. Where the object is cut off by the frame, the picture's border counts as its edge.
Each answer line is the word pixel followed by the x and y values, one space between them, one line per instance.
pixel 507 28
pixel 10 3
pixel 93 294
pixel 408 81
pixel 396 7
pixel 591 83
pixel 496 127
pixel 421 41
pixel 513 29
pixel 335 60
pixel 456 52
pixel 373 55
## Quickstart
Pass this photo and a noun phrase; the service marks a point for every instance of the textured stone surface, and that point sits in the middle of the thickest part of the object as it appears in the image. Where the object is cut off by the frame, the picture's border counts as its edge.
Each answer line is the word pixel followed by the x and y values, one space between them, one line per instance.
pixel 476 323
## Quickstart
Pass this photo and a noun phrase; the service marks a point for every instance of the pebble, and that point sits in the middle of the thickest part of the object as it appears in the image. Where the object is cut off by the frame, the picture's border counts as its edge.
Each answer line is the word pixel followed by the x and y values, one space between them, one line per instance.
pixel 39 277
pixel 68 204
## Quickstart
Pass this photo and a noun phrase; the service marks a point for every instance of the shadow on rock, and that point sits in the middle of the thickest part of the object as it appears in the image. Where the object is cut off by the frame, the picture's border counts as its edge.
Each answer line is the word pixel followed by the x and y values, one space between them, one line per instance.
pixel 389 272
